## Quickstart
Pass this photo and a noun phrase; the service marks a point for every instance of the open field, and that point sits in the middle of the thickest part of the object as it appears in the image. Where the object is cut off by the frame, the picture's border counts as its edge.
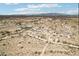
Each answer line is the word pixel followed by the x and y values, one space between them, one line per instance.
pixel 39 36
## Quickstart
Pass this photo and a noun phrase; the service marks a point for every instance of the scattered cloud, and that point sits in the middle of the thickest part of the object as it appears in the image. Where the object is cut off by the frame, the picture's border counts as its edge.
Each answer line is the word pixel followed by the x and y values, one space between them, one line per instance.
pixel 71 12
pixel 42 5
pixel 11 3
pixel 25 9
pixel 27 12
pixel 35 8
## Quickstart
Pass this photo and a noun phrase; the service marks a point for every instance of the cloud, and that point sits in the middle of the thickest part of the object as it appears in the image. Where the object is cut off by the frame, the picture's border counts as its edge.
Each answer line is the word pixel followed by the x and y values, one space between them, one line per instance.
pixel 35 12
pixel 25 9
pixel 71 12
pixel 42 5
pixel 27 12
pixel 37 7
pixel 30 12
pixel 11 3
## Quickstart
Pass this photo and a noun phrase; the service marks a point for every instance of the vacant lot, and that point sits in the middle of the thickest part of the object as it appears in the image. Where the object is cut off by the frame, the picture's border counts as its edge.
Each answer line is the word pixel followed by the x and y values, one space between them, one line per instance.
pixel 39 36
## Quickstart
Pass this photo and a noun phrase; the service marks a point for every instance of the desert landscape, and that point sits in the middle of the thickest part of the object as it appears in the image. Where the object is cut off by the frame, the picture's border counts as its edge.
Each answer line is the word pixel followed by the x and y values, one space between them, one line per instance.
pixel 39 36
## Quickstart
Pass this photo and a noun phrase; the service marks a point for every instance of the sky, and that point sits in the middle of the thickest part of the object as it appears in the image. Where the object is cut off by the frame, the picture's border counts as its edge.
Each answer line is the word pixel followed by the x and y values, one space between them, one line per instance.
pixel 38 8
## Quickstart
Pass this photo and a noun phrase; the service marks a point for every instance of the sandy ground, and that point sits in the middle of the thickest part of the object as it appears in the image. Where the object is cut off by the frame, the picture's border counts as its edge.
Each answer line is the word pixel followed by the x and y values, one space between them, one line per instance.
pixel 39 36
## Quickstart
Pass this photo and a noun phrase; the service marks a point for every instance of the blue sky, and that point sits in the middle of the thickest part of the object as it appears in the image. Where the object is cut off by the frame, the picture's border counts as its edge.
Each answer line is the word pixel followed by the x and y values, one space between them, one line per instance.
pixel 37 8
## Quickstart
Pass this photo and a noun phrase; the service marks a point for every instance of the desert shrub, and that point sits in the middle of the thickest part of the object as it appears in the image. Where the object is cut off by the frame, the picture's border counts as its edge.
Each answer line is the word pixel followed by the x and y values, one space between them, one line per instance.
pixel 2 53
pixel 29 42
pixel 21 47
pixel 51 51
pixel 4 44
pixel 5 32
pixel 37 52
pixel 1 39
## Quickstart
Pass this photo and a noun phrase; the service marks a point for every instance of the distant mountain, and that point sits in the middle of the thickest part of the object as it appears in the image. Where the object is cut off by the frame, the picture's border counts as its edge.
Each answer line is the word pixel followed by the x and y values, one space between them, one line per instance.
pixel 52 14
pixel 43 14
